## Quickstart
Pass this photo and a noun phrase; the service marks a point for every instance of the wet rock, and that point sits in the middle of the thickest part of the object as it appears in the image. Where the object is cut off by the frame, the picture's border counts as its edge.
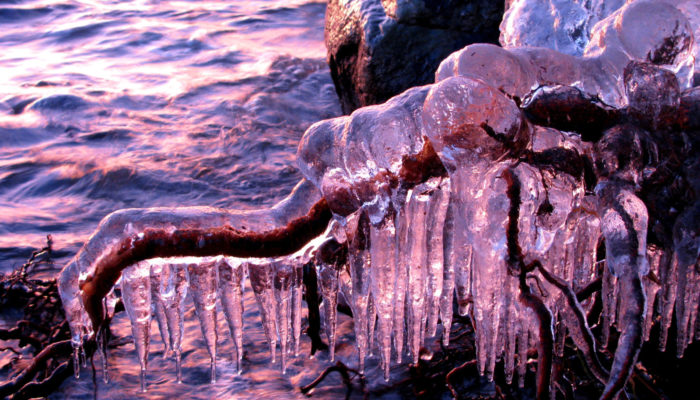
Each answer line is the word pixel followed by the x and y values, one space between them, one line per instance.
pixel 377 49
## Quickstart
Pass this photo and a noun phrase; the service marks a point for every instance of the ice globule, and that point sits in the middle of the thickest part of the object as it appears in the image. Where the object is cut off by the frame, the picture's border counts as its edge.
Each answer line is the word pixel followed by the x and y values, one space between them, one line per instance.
pixel 582 44
pixel 231 285
pixel 136 294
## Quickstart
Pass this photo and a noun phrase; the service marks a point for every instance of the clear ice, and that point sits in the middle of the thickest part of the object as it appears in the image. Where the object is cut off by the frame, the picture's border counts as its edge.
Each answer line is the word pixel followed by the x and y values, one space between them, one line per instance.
pixel 415 248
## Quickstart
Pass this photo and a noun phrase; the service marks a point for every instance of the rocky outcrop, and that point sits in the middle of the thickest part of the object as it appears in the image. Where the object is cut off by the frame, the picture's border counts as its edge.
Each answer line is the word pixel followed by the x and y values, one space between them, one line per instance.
pixel 379 48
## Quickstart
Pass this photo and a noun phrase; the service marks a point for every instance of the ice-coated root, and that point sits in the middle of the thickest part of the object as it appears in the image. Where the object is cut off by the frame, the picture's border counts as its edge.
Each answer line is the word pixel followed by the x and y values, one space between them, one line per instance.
pixel 136 294
pixel 260 273
pixel 423 189
pixel 128 236
pixel 203 285
pixel 231 284
pixel 624 224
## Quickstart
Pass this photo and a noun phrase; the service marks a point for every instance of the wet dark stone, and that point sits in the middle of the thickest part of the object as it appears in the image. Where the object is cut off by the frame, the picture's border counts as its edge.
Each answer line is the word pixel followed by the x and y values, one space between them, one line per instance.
pixel 375 54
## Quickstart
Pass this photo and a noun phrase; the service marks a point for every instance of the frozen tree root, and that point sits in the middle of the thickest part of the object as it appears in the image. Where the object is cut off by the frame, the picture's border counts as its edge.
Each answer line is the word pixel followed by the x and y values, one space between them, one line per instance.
pixel 561 108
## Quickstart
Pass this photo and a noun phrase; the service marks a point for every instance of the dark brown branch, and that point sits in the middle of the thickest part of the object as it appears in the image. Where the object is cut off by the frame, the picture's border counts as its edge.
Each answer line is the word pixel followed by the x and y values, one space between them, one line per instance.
pixel 58 348
pixel 314 329
pixel 588 345
pixel 454 371
pixel 223 240
pixel 593 287
pixel 343 370
pixel 517 267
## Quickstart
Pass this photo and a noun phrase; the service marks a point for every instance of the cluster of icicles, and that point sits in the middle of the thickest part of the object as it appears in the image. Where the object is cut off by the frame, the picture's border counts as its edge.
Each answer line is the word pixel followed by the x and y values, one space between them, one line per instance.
pixel 413 249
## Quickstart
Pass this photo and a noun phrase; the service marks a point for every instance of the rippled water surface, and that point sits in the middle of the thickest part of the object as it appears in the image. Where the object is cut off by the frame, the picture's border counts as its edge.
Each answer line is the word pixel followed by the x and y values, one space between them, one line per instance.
pixel 107 105
pixel 114 104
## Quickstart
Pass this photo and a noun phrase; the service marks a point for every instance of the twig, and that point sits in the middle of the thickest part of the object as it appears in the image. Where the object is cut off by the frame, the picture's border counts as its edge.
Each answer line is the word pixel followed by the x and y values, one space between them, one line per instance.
pixel 454 371
pixel 344 372
pixel 59 348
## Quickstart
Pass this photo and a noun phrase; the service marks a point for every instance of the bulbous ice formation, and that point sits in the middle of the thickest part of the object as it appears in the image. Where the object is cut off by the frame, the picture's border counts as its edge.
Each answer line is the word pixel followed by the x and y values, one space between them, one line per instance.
pixel 452 190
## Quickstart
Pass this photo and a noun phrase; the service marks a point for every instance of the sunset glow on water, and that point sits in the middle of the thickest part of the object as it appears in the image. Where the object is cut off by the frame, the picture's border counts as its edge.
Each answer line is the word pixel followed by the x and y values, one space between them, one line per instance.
pixel 109 105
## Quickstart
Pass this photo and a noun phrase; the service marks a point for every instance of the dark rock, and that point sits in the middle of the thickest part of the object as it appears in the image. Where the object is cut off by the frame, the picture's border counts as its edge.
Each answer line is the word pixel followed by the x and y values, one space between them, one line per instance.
pixel 375 54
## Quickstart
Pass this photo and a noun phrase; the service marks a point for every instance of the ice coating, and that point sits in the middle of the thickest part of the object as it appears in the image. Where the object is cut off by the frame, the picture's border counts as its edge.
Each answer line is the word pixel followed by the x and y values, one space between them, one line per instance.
pixel 581 44
pixel 412 246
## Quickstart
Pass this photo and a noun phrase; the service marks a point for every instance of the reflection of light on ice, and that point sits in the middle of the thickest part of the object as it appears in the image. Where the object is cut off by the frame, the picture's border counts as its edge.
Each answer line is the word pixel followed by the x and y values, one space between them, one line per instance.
pixel 412 244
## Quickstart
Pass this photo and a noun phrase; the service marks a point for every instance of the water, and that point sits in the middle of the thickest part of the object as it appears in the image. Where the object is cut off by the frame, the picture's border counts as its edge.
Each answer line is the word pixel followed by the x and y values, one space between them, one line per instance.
pixel 114 104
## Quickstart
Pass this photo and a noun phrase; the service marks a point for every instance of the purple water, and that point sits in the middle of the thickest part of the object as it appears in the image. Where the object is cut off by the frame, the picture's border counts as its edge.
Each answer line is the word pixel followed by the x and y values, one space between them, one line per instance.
pixel 113 104
pixel 116 104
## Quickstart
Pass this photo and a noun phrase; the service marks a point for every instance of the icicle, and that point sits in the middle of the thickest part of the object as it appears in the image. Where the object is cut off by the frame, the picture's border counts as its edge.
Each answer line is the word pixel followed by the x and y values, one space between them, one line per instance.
pixel 402 270
pixel 448 273
pixel 203 283
pixel 109 302
pixel 522 341
pixel 511 327
pixel 382 272
pixel 297 294
pixel 260 275
pixel 282 284
pixel 136 294
pixel 68 288
pixel 624 224
pixel 172 292
pixel 231 286
pixel 359 263
pixel 416 258
pixel 435 221
pixel 686 241
pixel 328 282
pixel 489 269
pixel 652 286
pixel 609 297
pixel 371 325
pixel 157 305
